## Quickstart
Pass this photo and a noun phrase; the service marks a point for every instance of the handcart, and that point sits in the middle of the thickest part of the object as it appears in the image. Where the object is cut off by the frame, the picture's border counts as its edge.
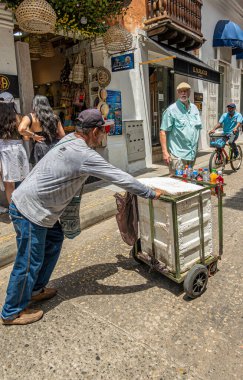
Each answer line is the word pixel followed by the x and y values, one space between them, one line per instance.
pixel 196 275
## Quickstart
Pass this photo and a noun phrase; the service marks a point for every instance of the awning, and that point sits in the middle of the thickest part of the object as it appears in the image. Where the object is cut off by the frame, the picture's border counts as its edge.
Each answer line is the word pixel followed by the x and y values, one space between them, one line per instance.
pixel 187 64
pixel 229 34
pixel 239 55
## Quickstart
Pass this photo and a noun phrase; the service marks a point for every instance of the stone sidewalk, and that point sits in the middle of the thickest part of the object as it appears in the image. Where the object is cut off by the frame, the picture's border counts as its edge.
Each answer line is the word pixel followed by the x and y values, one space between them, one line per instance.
pixel 98 203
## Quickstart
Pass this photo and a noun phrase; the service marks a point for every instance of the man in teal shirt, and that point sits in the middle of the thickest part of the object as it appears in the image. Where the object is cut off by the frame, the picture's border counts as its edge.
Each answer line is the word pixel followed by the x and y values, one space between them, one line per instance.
pixel 231 122
pixel 180 130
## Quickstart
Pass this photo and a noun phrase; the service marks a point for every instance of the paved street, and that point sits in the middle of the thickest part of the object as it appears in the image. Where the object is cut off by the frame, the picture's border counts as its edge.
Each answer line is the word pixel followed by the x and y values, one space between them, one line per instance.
pixel 113 319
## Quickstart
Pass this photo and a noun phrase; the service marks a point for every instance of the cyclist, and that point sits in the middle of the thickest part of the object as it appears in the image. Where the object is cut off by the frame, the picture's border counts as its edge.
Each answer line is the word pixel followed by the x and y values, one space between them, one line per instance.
pixel 231 122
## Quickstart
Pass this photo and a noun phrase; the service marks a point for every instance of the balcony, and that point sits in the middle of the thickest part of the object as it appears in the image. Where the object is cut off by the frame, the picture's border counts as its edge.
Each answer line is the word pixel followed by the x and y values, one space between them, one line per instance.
pixel 175 21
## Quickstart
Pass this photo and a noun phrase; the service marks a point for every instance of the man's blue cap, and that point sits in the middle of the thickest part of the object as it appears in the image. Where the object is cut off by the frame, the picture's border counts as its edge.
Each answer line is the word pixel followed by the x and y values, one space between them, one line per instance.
pixel 231 105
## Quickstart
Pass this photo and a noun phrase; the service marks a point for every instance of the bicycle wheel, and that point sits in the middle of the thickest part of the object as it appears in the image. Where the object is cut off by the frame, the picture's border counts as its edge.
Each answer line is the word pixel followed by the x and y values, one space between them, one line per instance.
pixel 217 160
pixel 236 162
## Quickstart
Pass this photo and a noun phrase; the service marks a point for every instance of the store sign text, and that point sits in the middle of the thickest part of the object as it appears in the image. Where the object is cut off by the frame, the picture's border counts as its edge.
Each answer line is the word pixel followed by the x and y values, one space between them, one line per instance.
pixel 10 84
pixel 200 72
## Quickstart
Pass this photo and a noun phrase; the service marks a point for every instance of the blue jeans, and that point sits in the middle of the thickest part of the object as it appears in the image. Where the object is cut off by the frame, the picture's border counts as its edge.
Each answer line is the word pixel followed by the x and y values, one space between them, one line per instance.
pixel 38 249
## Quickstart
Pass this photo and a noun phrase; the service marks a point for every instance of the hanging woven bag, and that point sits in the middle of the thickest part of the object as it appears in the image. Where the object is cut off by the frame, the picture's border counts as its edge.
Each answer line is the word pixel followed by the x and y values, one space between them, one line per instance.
pixel 78 71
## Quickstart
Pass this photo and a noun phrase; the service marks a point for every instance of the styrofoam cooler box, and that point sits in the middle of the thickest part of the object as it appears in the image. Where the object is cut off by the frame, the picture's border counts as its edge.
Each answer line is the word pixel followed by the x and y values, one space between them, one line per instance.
pixel 188 230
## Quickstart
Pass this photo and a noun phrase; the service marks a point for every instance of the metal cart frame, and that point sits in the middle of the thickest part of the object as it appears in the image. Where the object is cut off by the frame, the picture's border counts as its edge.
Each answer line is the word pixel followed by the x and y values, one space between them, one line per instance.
pixel 204 267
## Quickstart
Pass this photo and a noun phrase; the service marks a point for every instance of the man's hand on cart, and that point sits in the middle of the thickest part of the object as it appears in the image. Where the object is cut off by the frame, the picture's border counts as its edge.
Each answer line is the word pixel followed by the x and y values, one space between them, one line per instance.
pixel 211 132
pixel 159 193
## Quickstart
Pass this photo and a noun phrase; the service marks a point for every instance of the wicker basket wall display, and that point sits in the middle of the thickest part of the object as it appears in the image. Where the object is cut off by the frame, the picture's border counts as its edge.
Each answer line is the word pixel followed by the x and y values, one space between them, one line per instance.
pixel 104 109
pixel 118 39
pixel 35 57
pixel 34 45
pixel 78 71
pixel 47 49
pixel 102 93
pixel 36 16
pixel 103 76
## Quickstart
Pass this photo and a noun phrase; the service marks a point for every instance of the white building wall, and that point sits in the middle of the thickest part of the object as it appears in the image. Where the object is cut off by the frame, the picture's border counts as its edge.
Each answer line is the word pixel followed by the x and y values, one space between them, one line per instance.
pixel 134 87
pixel 212 12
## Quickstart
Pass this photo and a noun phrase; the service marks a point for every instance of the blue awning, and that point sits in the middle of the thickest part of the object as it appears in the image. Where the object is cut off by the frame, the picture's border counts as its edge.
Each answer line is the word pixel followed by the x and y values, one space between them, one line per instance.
pixel 229 34
pixel 239 55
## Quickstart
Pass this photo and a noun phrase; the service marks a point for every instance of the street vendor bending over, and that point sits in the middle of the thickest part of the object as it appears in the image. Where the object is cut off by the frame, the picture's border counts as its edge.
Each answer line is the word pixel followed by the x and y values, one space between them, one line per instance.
pixel 38 204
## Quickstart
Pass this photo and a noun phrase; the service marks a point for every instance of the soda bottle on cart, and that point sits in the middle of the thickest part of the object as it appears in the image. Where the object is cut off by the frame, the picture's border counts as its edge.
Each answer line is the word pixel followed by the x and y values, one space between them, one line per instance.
pixel 200 175
pixel 179 168
pixel 190 172
pixel 220 183
pixel 194 175
pixel 205 175
pixel 213 179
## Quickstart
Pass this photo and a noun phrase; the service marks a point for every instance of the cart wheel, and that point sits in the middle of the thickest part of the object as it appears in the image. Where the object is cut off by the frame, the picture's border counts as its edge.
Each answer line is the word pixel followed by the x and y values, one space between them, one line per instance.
pixel 133 252
pixel 212 268
pixel 196 281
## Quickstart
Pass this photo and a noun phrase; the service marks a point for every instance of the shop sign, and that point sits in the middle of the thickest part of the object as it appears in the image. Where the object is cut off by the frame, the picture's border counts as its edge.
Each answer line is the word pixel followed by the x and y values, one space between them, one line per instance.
pixel 115 111
pixel 198 100
pixel 9 83
pixel 196 71
pixel 122 62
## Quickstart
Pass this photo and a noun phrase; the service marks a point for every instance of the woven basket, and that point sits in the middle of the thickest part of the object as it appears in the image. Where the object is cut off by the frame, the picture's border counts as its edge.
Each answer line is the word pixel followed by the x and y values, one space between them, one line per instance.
pixel 36 16
pixel 78 71
pixel 103 76
pixel 47 49
pixel 35 57
pixel 34 45
pixel 118 39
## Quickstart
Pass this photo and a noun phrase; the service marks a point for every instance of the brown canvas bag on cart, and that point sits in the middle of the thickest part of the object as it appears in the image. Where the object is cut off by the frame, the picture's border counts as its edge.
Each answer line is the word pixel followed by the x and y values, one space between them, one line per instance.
pixel 127 217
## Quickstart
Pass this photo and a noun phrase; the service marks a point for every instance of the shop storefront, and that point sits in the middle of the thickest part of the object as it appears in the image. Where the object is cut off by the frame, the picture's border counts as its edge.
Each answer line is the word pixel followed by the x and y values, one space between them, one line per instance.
pixel 167 68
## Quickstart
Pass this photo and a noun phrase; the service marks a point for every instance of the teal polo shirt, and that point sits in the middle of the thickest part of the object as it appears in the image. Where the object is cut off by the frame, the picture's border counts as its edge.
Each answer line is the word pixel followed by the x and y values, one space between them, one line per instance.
pixel 229 123
pixel 183 126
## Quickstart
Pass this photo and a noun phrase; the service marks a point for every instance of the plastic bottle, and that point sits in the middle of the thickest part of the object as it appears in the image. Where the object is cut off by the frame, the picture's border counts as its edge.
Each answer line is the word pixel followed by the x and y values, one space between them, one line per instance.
pixel 194 175
pixel 213 179
pixel 177 168
pixel 186 170
pixel 205 175
pixel 190 172
pixel 181 169
pixel 200 175
pixel 220 182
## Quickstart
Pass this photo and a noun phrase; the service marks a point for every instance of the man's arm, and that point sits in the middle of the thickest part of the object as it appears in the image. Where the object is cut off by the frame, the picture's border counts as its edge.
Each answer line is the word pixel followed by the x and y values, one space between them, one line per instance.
pixel 163 142
pixel 166 127
pixel 236 129
pixel 219 125
pixel 97 166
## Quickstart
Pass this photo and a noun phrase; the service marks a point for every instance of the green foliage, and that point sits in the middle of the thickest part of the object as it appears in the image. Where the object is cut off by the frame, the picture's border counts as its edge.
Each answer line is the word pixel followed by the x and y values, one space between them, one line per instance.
pixel 94 14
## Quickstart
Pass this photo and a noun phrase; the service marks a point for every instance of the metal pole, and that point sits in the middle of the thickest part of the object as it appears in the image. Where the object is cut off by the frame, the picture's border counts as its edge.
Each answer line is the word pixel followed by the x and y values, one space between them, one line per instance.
pixel 201 227
pixel 151 215
pixel 220 220
pixel 176 240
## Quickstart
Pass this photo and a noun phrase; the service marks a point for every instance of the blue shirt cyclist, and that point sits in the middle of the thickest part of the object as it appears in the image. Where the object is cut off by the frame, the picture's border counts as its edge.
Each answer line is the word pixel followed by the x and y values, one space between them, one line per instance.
pixel 230 122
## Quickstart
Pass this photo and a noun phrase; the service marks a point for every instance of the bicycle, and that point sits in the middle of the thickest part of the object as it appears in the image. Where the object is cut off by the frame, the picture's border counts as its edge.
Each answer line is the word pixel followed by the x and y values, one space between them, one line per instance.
pixel 220 157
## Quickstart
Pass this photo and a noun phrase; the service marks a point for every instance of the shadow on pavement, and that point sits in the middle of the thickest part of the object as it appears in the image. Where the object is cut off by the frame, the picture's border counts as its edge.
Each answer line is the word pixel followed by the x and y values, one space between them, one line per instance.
pixel 4 218
pixel 235 201
pixel 86 281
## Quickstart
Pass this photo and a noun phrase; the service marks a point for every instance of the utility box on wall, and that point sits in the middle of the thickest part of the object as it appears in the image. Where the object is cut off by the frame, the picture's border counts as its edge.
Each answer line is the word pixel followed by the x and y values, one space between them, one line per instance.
pixel 135 140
